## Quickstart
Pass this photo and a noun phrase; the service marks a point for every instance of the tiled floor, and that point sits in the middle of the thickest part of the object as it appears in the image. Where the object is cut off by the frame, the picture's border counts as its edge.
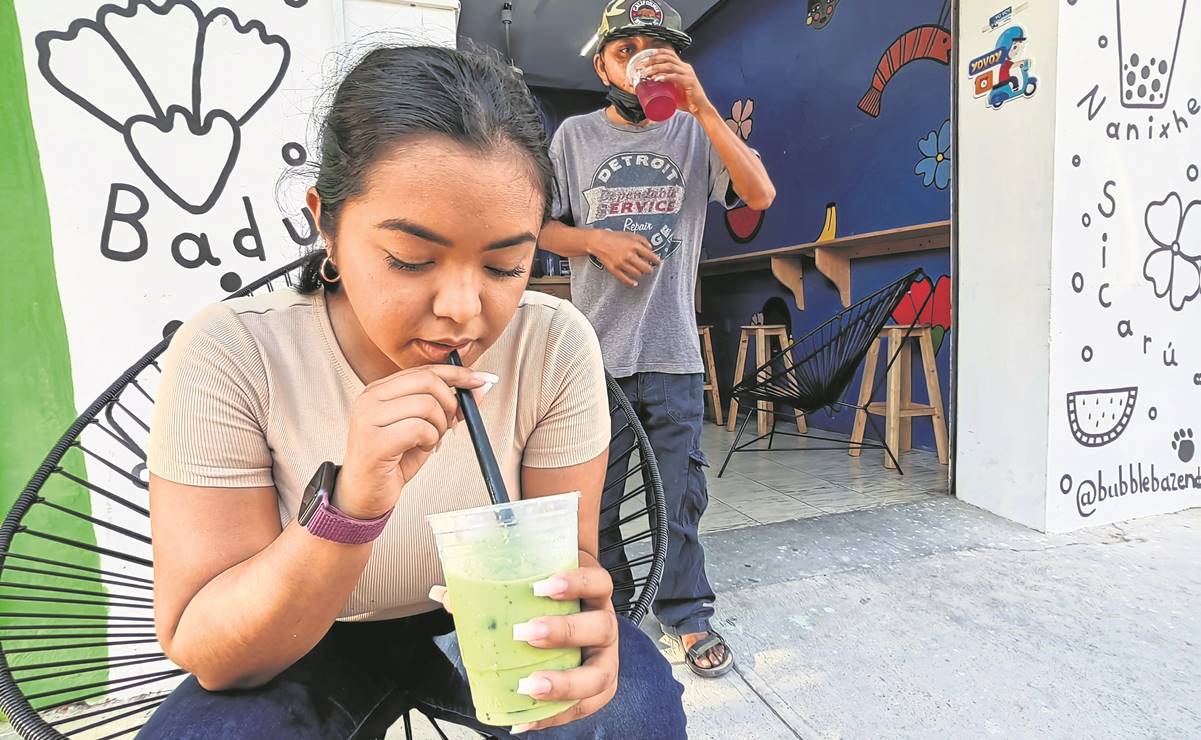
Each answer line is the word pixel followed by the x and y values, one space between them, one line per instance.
pixel 794 483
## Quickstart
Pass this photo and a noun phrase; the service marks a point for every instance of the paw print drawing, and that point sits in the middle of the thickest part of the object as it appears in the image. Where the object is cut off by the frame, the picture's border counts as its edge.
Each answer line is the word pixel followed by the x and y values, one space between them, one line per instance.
pixel 1182 442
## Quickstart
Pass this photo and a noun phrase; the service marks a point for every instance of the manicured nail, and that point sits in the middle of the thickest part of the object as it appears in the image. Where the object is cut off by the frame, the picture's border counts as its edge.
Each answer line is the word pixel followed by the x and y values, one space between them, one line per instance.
pixel 438 593
pixel 487 378
pixel 533 686
pixel 485 388
pixel 553 586
pixel 518 729
pixel 530 631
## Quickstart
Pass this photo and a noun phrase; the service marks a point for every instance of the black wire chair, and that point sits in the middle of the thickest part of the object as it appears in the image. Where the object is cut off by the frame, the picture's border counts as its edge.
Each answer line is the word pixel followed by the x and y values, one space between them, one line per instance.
pixel 814 372
pixel 78 652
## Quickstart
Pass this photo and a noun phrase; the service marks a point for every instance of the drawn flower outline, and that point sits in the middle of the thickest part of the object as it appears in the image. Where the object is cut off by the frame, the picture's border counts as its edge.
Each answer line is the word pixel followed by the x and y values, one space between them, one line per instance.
pixel 740 120
pixel 1174 268
pixel 935 165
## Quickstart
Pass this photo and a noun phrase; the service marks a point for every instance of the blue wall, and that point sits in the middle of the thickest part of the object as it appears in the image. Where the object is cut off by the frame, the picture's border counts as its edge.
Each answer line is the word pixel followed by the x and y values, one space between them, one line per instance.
pixel 820 148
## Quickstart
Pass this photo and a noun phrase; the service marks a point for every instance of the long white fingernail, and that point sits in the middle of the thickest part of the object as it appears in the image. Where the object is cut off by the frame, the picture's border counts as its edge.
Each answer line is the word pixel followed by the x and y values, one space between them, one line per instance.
pixel 486 387
pixel 528 631
pixel 488 377
pixel 518 729
pixel 553 586
pixel 437 593
pixel 533 686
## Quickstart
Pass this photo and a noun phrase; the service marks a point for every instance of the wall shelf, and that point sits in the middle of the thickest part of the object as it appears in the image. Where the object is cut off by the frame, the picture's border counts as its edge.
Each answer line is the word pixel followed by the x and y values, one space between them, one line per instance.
pixel 833 257
pixel 557 285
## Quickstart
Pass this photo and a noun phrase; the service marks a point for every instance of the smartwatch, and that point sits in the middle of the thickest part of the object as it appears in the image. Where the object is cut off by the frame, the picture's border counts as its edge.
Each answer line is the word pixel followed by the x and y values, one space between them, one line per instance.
pixel 322 519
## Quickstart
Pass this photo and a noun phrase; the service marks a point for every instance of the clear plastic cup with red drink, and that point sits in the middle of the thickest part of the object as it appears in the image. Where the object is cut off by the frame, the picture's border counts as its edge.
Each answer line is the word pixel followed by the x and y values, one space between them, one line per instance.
pixel 659 99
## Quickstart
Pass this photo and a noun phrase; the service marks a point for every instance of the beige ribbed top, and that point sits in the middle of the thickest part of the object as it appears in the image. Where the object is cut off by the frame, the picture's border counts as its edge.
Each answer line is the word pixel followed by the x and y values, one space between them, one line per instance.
pixel 256 392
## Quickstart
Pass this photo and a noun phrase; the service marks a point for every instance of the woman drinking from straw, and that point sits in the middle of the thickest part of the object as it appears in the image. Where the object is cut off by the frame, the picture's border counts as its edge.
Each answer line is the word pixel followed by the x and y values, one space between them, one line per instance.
pixel 432 187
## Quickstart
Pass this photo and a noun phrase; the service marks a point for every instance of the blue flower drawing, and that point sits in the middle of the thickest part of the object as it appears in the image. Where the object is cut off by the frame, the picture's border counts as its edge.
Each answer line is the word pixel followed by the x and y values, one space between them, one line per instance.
pixel 935 165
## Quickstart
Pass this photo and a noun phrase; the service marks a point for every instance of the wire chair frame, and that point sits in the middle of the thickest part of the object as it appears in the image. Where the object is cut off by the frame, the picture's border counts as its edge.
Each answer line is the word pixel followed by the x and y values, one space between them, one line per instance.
pixel 814 372
pixel 80 627
pixel 616 500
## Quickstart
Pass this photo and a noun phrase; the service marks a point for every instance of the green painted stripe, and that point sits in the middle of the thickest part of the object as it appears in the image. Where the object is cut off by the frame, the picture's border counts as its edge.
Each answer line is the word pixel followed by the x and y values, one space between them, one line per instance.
pixel 36 391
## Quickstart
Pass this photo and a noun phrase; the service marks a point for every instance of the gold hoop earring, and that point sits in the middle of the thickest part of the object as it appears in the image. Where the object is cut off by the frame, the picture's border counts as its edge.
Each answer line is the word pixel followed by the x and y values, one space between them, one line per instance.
pixel 325 265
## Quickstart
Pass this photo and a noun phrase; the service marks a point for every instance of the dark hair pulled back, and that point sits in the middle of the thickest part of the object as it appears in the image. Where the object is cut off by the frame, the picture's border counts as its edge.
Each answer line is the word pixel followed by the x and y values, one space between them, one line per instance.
pixel 398 93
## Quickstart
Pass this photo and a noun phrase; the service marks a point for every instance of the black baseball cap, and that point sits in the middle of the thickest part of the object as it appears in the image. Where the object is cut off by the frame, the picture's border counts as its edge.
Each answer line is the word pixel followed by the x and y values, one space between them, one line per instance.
pixel 625 18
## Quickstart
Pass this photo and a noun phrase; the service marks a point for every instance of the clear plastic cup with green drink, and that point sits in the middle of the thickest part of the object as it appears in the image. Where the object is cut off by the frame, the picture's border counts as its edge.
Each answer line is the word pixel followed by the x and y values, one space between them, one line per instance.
pixel 491 557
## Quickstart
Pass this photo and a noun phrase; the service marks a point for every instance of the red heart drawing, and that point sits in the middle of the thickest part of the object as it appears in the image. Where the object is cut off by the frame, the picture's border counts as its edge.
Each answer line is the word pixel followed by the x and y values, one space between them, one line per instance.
pixel 936 311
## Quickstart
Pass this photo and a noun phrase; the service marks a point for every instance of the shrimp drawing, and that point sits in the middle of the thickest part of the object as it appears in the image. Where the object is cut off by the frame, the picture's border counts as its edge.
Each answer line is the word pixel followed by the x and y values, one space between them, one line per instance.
pixel 922 42
pixel 932 41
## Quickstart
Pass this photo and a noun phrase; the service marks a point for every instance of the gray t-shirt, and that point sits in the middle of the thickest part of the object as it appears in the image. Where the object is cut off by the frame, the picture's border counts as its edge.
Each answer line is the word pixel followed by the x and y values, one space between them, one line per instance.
pixel 657 181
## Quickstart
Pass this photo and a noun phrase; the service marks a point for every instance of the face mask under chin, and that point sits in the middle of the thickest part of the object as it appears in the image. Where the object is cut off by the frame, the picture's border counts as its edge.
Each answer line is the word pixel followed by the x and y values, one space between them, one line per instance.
pixel 627 105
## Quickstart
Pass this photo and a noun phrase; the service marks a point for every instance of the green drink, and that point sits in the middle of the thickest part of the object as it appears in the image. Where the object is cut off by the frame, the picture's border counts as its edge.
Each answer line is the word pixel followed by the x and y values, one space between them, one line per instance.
pixel 491 558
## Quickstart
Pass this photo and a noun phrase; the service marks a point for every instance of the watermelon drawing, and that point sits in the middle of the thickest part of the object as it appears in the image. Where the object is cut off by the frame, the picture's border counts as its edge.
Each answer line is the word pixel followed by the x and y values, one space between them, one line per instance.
pixel 1099 417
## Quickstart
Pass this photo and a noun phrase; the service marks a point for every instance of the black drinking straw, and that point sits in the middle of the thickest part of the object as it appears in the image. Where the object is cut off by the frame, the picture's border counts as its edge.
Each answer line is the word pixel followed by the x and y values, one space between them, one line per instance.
pixel 479 438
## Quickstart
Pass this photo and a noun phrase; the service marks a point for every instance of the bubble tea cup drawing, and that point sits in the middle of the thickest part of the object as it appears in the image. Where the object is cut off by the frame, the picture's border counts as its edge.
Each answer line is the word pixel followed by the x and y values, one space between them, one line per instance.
pixel 1148 39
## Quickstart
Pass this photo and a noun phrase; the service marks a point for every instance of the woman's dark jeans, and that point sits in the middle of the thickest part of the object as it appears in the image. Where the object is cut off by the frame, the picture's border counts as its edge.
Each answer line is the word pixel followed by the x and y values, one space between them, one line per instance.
pixel 362 676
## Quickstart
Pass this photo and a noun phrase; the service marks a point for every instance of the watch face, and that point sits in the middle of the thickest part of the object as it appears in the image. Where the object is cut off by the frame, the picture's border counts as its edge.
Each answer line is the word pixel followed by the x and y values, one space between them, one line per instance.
pixel 308 505
pixel 317 489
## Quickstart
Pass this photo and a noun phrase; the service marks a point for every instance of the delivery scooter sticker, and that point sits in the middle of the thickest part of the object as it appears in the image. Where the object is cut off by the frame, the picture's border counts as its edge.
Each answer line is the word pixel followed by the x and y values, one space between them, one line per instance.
pixel 1003 74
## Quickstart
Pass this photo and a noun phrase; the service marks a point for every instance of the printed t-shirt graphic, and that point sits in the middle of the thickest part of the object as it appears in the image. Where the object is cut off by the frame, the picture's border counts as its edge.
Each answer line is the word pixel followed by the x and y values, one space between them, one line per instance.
pixel 638 192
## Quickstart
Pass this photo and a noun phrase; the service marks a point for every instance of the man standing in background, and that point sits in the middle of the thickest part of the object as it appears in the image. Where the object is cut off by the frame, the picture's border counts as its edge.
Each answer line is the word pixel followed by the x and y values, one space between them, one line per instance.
pixel 630 205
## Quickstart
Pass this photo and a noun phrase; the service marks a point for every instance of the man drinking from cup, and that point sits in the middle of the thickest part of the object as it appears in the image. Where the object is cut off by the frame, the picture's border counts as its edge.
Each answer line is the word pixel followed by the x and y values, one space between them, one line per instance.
pixel 630 204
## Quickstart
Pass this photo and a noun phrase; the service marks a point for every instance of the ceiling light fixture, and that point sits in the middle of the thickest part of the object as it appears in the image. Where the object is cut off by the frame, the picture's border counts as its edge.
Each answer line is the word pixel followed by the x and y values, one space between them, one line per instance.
pixel 588 46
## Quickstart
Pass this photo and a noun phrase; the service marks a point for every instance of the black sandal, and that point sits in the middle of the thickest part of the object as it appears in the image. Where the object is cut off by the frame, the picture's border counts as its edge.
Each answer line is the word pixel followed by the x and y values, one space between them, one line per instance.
pixel 702 648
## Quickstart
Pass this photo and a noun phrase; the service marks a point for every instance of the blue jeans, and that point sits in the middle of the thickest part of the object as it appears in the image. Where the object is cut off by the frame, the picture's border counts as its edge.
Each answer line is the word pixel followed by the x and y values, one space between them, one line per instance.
pixel 671 409
pixel 361 677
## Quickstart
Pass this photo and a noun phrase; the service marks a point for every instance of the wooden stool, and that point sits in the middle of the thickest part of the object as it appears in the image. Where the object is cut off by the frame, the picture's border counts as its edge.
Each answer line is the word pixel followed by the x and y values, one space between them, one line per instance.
pixel 762 334
pixel 898 408
pixel 710 387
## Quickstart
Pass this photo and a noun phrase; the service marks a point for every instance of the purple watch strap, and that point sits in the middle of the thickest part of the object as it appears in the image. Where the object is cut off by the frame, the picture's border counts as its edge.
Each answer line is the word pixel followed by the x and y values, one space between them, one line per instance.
pixel 329 523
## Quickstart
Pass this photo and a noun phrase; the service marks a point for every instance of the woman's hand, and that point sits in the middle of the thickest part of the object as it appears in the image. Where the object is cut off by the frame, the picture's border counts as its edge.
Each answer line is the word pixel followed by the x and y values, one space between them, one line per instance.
pixel 394 426
pixel 594 629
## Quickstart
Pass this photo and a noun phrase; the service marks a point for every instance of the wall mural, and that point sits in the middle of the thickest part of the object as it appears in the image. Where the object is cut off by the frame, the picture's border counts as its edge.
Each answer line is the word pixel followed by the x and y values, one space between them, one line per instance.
pixel 161 131
pixel 837 173
pixel 743 223
pixel 183 122
pixel 928 42
pixel 1127 255
pixel 178 87
pixel 927 302
pixel 821 12
pixel 799 111
pixel 1097 418
pixel 935 165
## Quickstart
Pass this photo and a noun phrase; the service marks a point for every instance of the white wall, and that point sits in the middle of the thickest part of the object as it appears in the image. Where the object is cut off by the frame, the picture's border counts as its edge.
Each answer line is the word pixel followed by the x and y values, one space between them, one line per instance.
pixel 162 201
pixel 1005 214
pixel 1080 267
pixel 1107 267
pixel 404 21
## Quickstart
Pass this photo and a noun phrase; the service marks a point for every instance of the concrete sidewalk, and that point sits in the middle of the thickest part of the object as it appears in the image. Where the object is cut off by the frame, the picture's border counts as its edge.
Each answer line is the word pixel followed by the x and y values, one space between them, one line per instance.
pixel 938 620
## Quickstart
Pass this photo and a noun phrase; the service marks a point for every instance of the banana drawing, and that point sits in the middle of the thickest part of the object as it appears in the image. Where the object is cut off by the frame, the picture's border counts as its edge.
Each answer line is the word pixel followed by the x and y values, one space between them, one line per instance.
pixel 830 227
